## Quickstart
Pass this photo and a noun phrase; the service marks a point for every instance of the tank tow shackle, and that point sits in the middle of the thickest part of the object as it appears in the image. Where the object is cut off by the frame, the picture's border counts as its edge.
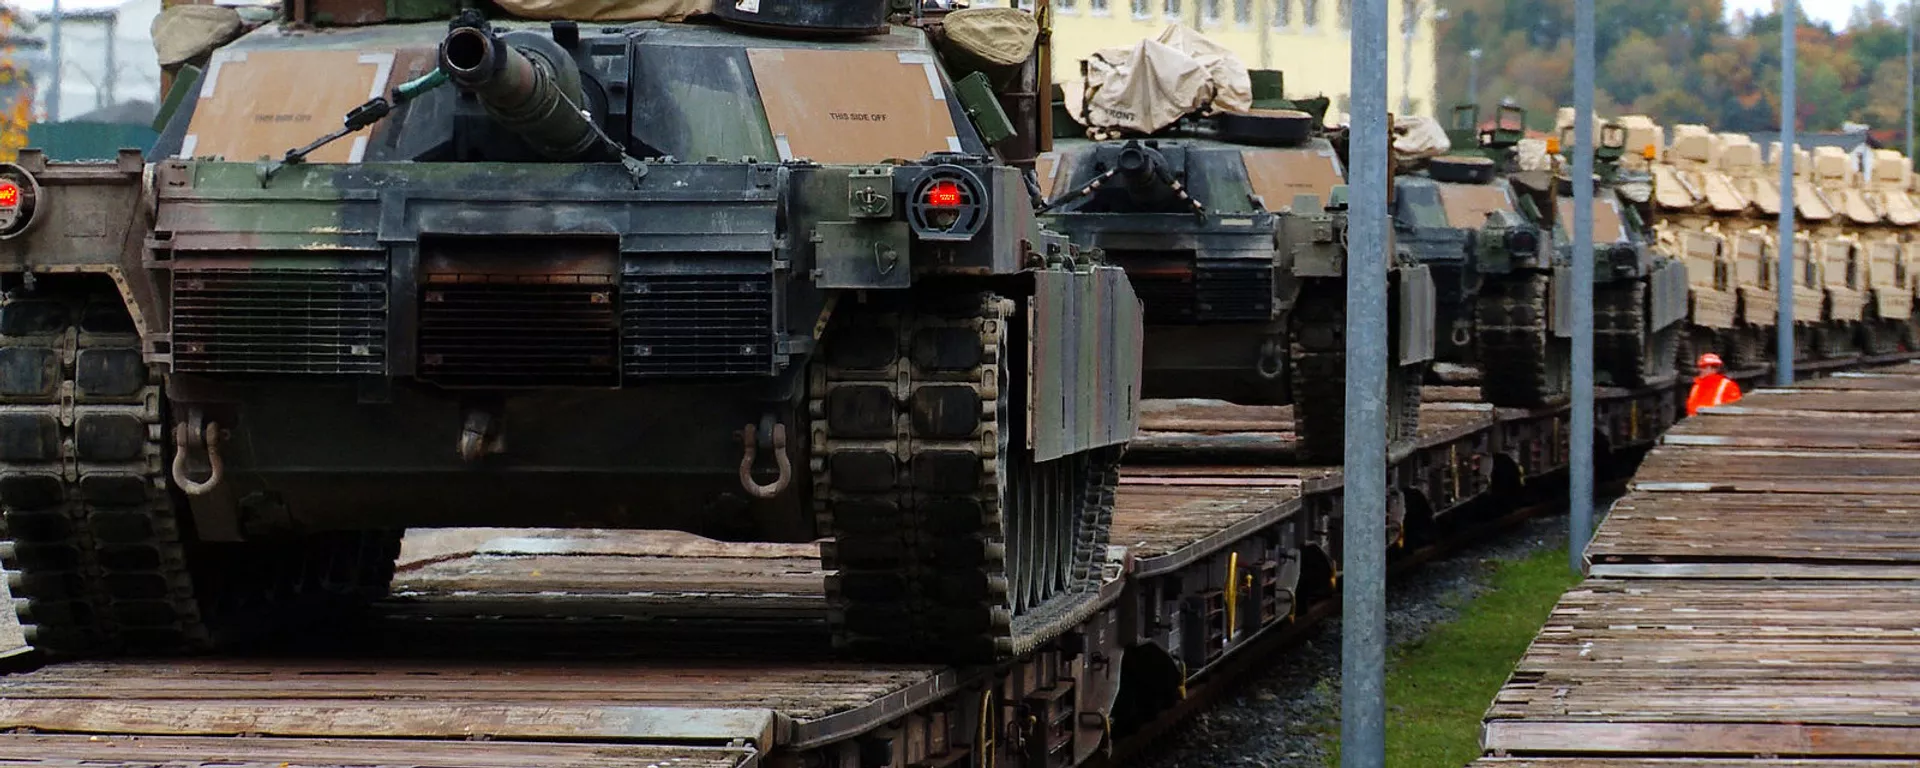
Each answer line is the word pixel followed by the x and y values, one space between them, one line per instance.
pixel 749 447
pixel 184 440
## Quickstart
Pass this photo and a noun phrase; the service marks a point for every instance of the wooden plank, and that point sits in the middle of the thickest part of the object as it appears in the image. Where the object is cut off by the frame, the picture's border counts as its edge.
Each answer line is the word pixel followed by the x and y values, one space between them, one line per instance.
pixel 1735 528
pixel 1699 739
pixel 1650 762
pixel 1718 667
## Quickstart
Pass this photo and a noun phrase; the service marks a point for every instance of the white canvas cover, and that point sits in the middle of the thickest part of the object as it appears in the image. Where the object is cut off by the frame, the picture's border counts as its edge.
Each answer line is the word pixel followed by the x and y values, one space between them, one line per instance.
pixel 1416 137
pixel 609 10
pixel 1156 82
pixel 1531 155
pixel 183 32
pixel 999 36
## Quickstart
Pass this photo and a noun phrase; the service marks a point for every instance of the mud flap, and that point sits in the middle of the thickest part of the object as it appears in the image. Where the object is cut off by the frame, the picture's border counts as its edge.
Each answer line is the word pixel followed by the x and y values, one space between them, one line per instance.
pixel 1084 360
pixel 1416 297
pixel 1667 294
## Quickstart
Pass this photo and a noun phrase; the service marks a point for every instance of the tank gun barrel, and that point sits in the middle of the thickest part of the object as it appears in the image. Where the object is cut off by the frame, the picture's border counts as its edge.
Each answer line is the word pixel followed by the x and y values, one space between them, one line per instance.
pixel 529 91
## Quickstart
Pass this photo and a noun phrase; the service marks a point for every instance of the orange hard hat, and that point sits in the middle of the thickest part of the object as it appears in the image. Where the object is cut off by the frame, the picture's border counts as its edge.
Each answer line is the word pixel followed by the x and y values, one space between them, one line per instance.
pixel 1710 359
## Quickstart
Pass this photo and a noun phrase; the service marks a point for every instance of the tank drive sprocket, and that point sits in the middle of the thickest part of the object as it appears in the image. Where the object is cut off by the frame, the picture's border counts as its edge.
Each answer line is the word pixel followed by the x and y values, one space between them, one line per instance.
pixel 1318 368
pixel 100 558
pixel 948 540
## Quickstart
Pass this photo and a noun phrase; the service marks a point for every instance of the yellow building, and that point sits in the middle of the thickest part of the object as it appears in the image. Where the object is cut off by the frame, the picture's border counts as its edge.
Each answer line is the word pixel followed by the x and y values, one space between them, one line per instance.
pixel 1306 39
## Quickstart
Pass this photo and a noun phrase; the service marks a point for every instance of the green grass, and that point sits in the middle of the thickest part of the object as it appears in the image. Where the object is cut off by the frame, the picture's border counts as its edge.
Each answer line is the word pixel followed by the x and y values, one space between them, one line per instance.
pixel 1439 686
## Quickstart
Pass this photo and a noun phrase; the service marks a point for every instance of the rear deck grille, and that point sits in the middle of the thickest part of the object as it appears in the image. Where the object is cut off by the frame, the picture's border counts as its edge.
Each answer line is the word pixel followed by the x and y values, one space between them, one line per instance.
pixel 298 321
pixel 697 325
pixel 501 332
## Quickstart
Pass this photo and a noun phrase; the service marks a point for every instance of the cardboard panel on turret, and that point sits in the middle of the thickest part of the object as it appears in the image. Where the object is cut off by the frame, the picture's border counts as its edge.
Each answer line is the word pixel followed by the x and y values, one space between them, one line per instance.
pixel 1277 175
pixel 853 106
pixel 1467 205
pixel 1606 218
pixel 250 107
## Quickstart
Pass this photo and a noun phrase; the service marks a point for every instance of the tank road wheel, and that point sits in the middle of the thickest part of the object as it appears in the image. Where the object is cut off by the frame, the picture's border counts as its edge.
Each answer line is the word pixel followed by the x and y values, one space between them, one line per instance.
pixel 1318 369
pixel 1624 349
pixel 949 542
pixel 100 562
pixel 1878 336
pixel 1522 363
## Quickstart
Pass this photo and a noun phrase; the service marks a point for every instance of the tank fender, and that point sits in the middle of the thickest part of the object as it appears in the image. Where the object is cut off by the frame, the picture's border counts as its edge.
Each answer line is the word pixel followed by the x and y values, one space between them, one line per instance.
pixel 1667 293
pixel 1083 359
pixel 1414 291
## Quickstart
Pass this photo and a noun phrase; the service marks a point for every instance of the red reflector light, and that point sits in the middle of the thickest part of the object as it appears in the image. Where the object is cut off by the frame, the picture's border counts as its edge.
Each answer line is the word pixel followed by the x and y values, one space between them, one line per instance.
pixel 944 194
pixel 9 194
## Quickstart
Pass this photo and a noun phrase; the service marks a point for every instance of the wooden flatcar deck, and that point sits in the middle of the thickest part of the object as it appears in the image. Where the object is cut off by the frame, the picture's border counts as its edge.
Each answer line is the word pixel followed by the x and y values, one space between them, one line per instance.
pixel 1753 602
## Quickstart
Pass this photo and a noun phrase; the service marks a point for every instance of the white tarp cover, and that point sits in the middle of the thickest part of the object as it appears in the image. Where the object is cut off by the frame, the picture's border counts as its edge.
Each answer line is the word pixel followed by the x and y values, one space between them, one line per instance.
pixel 612 10
pixel 1417 137
pixel 1531 155
pixel 1156 82
pixel 184 31
pixel 1000 36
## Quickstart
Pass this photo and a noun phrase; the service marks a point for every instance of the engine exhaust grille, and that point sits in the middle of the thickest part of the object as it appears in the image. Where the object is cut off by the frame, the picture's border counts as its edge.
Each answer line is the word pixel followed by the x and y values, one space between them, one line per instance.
pixel 697 325
pixel 279 321
pixel 516 331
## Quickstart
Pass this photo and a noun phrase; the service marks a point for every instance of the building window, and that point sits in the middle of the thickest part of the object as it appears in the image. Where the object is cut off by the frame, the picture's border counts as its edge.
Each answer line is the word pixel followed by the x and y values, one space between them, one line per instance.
pixel 1209 11
pixel 1283 13
pixel 1098 7
pixel 1243 12
pixel 1309 13
pixel 1142 9
pixel 1064 6
pixel 1346 13
pixel 1172 9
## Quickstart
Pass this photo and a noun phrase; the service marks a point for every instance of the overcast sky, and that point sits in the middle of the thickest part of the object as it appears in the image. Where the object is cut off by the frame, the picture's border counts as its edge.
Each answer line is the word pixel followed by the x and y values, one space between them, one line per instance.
pixel 1833 12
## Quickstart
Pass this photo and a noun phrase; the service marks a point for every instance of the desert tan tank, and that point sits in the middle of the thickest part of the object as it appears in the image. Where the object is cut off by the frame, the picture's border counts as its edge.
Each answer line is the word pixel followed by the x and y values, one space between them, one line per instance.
pixel 1758 181
pixel 1751 243
pixel 1840 246
pixel 1890 273
pixel 1697 207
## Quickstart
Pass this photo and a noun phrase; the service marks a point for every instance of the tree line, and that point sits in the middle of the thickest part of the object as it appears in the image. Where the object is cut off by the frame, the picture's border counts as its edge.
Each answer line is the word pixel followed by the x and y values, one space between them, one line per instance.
pixel 1680 61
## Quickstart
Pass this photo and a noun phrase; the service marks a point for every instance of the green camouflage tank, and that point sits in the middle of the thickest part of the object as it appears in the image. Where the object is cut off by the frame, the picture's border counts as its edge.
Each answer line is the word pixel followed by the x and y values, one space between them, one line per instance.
pixel 1232 228
pixel 772 277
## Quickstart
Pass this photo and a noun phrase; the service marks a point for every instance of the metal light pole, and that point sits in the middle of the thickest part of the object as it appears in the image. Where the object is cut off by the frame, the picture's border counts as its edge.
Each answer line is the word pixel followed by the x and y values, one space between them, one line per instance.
pixel 1789 82
pixel 1473 77
pixel 1363 527
pixel 1410 13
pixel 53 52
pixel 1909 81
pixel 1580 440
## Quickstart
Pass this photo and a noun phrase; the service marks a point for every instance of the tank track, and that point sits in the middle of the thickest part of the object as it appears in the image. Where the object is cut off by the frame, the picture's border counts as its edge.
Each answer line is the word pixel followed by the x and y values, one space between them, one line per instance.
pixel 1624 349
pixel 1318 367
pixel 925 486
pixel 1517 355
pixel 98 560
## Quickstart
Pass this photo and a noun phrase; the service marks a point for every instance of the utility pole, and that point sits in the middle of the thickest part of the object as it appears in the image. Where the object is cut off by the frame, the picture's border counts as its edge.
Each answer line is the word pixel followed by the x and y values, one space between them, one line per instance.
pixel 53 53
pixel 1410 12
pixel 110 80
pixel 1909 82
pixel 1473 77
pixel 1363 520
pixel 1580 440
pixel 1789 82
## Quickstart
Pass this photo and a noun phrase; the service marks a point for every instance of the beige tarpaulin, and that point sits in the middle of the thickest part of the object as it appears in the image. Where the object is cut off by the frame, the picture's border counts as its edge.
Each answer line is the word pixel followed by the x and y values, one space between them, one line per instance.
pixel 1531 155
pixel 1001 37
pixel 1416 137
pixel 1156 82
pixel 613 10
pixel 183 32
pixel 1232 86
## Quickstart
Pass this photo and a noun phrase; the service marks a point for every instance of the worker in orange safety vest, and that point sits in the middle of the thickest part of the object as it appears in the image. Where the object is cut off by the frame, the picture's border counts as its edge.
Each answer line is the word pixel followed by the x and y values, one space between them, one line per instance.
pixel 1711 388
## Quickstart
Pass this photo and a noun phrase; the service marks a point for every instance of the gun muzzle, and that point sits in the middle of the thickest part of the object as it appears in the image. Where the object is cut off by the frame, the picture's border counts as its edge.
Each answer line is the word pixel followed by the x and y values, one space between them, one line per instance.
pixel 521 89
